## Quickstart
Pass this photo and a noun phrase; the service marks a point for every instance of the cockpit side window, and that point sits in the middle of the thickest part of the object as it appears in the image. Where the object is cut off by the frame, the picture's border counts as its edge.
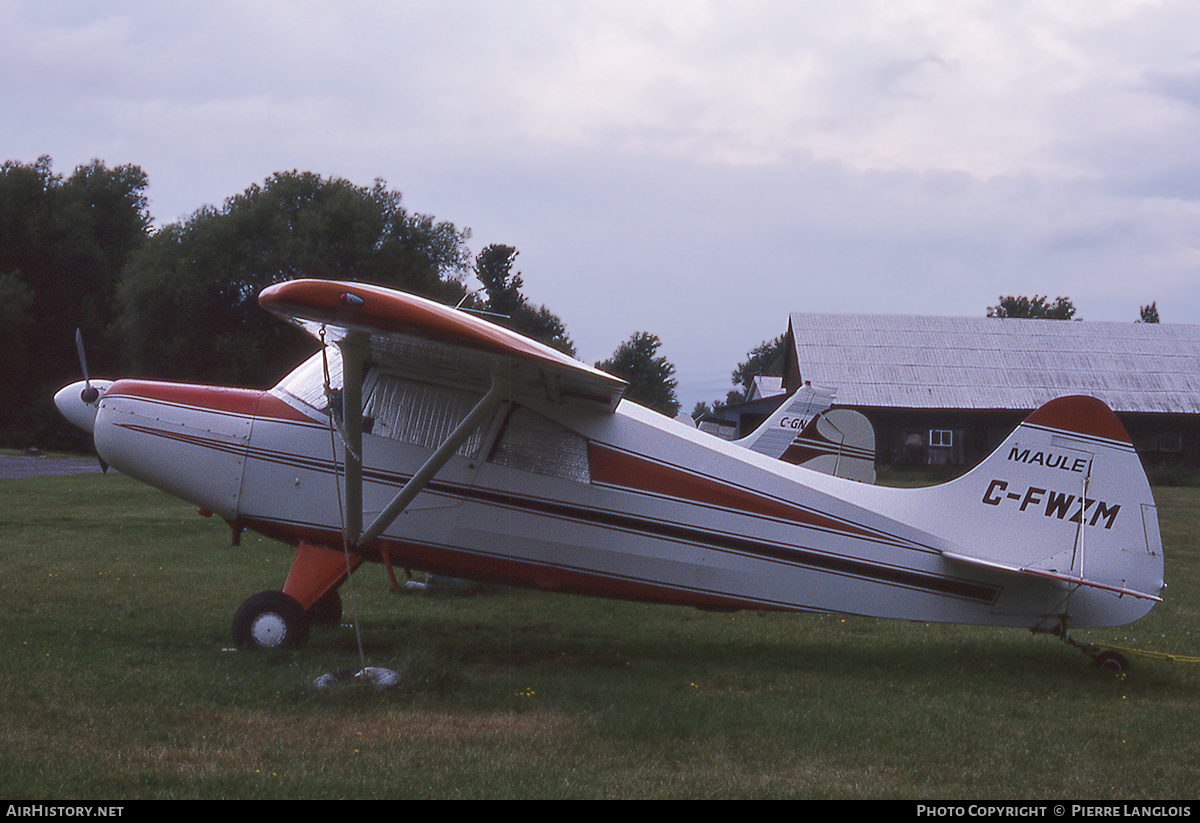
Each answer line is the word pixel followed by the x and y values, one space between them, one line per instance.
pixel 418 413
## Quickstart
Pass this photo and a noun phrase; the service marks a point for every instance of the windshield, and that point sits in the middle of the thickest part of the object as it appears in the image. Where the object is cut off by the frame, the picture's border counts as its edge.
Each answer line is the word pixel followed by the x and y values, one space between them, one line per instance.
pixel 306 383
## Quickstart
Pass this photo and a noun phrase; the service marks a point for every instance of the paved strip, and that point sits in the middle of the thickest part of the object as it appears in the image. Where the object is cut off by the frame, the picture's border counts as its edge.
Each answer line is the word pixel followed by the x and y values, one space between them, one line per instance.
pixel 16 466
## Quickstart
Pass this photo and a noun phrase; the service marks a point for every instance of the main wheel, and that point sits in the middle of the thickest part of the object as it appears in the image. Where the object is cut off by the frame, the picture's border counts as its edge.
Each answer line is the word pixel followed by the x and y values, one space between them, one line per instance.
pixel 270 620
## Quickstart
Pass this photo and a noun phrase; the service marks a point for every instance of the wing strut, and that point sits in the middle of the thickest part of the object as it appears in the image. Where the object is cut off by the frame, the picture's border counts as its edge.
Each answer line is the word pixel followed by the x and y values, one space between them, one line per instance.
pixel 474 419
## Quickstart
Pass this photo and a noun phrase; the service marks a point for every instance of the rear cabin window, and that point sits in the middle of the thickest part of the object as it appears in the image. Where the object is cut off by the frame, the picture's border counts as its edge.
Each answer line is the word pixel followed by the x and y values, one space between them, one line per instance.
pixel 533 443
pixel 425 415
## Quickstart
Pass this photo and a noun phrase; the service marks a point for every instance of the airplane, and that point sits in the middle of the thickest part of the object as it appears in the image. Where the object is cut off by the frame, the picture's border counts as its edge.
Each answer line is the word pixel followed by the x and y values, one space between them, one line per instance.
pixel 423 437
pixel 806 431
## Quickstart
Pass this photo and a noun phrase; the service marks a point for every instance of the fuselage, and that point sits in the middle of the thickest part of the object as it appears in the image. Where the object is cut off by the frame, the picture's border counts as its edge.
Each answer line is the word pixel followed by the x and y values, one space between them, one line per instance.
pixel 630 504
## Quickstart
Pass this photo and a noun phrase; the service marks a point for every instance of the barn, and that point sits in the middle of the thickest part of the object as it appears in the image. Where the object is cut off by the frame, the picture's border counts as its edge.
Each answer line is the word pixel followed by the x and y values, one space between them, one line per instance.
pixel 947 390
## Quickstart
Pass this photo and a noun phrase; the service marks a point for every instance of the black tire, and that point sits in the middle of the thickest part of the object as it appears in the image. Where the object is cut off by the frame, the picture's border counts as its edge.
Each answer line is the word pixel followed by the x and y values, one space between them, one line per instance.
pixel 1112 662
pixel 327 611
pixel 270 621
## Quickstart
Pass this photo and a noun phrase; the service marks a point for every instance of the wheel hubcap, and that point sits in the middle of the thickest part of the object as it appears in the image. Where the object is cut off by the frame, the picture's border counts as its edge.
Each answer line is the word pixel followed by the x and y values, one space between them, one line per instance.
pixel 268 630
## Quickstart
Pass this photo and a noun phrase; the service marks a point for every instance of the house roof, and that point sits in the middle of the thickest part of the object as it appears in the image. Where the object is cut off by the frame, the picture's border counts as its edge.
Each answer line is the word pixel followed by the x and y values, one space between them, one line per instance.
pixel 994 363
pixel 765 385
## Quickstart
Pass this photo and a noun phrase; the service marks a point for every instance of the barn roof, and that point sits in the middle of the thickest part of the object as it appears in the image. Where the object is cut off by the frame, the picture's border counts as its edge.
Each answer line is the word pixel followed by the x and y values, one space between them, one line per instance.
pixel 994 363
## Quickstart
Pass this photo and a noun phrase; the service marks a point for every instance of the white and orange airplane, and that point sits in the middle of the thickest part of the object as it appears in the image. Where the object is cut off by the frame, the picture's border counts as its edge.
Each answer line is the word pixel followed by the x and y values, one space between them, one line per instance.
pixel 423 437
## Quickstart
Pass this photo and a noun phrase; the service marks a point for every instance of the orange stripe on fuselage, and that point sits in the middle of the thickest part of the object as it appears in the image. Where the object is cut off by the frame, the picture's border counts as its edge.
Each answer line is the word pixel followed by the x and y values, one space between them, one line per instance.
pixel 512 571
pixel 617 468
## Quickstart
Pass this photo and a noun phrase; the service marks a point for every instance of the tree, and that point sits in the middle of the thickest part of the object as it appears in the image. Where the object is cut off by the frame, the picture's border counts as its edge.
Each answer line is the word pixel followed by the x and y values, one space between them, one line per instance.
pixel 1149 314
pixel 508 307
pixel 766 359
pixel 63 243
pixel 650 376
pixel 1036 308
pixel 189 296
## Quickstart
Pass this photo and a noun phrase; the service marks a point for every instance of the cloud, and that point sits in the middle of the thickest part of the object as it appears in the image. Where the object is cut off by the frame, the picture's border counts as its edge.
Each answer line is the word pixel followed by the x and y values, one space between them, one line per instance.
pixel 695 169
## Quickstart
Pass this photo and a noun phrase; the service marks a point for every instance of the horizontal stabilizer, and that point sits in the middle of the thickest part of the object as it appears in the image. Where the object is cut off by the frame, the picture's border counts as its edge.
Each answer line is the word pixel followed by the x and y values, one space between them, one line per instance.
pixel 1059 578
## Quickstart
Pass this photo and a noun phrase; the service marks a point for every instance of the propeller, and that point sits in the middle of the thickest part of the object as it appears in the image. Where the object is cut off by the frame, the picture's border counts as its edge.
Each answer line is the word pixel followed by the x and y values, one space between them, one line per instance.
pixel 89 394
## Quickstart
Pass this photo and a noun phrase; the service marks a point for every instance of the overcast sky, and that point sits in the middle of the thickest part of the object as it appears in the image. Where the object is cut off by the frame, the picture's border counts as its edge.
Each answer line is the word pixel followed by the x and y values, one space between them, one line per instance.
pixel 695 169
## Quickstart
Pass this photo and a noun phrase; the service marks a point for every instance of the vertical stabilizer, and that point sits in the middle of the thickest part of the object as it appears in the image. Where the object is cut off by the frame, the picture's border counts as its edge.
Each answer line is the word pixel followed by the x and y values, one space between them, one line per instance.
pixel 1064 501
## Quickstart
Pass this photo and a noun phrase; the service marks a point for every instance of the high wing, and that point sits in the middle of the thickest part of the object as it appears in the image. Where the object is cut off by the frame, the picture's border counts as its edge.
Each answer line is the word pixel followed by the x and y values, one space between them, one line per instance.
pixel 425 340
pixel 437 343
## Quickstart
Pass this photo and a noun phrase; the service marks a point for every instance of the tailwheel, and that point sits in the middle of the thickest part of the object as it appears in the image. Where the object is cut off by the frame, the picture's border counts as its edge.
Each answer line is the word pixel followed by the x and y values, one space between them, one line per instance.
pixel 270 620
pixel 1109 661
pixel 1112 662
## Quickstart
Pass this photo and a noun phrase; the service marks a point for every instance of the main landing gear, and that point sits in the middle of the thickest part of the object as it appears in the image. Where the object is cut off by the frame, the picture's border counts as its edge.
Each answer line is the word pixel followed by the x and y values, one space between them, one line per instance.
pixel 281 620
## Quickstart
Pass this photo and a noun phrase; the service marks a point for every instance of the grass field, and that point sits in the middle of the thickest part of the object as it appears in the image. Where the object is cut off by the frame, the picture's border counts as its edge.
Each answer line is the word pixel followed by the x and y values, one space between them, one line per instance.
pixel 118 683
